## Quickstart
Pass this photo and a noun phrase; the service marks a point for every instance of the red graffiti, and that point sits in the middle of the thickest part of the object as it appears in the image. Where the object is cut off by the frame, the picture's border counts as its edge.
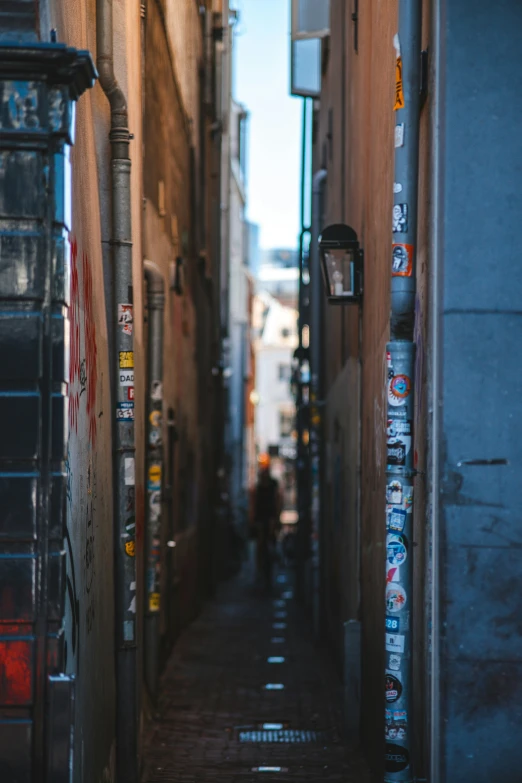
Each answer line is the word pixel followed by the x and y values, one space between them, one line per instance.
pixel 15 671
pixel 83 374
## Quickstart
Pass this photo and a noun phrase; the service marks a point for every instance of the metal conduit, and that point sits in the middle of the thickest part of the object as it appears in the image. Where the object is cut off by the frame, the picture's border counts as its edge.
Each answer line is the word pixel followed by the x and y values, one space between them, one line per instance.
pixel 123 415
pixel 316 389
pixel 154 468
pixel 400 402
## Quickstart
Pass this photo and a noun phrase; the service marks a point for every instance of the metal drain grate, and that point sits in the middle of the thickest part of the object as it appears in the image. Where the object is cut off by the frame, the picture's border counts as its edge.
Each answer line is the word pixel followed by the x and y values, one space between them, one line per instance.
pixel 282 735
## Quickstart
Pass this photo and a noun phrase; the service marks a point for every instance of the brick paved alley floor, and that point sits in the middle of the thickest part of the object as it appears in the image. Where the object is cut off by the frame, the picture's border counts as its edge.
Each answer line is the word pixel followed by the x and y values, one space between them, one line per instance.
pixel 212 714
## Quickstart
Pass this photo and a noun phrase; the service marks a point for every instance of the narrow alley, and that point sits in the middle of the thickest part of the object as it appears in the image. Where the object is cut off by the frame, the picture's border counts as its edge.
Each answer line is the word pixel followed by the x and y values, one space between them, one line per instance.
pixel 248 693
pixel 260 293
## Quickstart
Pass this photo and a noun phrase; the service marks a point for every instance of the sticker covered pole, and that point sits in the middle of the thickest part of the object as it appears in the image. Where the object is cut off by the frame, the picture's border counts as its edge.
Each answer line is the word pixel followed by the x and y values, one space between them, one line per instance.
pixel 399 556
pixel 154 465
pixel 126 641
pixel 400 357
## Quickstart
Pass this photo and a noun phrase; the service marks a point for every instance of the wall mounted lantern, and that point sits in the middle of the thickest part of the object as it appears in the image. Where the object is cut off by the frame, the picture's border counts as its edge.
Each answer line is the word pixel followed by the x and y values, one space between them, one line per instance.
pixel 342 264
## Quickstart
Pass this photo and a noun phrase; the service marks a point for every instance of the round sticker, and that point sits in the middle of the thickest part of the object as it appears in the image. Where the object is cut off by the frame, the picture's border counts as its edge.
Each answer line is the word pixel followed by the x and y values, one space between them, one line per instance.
pixel 395 597
pixel 398 389
pixel 396 758
pixel 392 688
pixel 396 549
pixel 155 418
pixel 155 474
pixel 130 548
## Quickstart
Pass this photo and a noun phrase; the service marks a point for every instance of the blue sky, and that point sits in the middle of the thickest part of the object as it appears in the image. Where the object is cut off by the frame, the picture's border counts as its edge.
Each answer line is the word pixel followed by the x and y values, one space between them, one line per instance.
pixel 261 82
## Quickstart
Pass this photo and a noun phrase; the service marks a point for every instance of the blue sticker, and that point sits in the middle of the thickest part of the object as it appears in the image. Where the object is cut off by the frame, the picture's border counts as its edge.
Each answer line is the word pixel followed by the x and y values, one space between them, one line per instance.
pixel 393 624
pixel 397 519
pixel 125 410
pixel 396 549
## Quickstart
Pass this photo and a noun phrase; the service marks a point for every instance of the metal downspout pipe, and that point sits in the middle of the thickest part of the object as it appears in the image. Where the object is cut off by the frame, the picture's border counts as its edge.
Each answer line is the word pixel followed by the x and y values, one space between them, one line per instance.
pixel 400 358
pixel 154 468
pixel 123 415
pixel 301 401
pixel 316 390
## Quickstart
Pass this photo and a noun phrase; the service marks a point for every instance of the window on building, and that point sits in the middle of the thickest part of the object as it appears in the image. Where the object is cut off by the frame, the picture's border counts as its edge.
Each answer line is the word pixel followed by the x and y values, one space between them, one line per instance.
pixel 284 372
pixel 286 423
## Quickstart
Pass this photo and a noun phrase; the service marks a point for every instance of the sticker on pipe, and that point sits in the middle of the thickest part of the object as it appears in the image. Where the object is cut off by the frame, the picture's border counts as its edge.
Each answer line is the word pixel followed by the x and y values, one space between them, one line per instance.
pixel 393 624
pixel 395 598
pixel 129 471
pixel 395 519
pixel 395 724
pixel 156 391
pixel 394 493
pixel 126 360
pixel 396 549
pixel 400 218
pixel 398 441
pixel 399 90
pixel 392 688
pixel 155 418
pixel 395 643
pixel 399 135
pixel 125 411
pixel 154 602
pixel 125 319
pixel 402 260
pixel 396 758
pixel 126 378
pixel 394 662
pixel 399 389
pixel 154 477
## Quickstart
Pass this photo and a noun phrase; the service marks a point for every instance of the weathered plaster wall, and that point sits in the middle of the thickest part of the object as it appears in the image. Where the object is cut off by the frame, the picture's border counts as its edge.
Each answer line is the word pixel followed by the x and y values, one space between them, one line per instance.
pixel 90 587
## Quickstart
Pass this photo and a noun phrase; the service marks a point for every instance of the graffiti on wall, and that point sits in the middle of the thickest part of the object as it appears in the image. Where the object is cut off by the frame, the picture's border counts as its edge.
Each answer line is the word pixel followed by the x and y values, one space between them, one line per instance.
pixel 80 466
pixel 83 376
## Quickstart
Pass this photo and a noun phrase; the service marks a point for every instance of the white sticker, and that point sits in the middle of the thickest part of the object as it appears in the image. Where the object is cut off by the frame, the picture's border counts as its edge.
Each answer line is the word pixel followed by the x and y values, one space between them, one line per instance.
pixel 129 471
pixel 395 642
pixel 156 392
pixel 132 607
pixel 397 44
pixel 125 318
pixel 397 187
pixel 399 135
pixel 126 377
pixel 395 662
pixel 395 597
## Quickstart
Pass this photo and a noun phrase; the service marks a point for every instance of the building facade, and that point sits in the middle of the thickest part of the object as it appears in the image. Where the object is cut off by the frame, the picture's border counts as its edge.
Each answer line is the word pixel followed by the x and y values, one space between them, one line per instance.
pixel 127 529
pixel 399 157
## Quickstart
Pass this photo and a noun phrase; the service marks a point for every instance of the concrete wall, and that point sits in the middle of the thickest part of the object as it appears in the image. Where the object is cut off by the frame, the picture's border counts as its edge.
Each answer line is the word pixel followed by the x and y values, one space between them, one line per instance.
pixel 477 329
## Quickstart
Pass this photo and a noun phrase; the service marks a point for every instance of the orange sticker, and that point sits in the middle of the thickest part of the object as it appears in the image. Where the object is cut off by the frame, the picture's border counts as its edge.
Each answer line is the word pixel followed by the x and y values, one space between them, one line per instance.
pixel 402 260
pixel 399 92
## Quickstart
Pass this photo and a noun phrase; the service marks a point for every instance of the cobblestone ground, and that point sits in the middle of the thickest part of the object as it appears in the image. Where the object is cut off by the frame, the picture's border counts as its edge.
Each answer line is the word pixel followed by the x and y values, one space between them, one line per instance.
pixel 214 699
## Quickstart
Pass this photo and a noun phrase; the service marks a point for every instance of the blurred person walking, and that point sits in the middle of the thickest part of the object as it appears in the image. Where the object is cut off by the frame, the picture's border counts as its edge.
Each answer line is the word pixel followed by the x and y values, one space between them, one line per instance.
pixel 266 513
